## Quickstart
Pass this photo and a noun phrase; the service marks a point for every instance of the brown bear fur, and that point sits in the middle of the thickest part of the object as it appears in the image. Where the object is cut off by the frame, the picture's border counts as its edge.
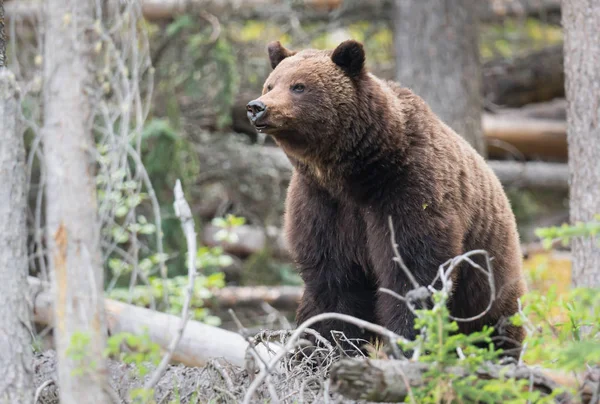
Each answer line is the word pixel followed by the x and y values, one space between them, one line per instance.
pixel 364 150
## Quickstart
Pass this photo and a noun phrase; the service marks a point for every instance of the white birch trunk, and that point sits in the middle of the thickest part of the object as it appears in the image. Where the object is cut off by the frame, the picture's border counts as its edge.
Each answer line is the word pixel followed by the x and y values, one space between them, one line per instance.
pixel 71 214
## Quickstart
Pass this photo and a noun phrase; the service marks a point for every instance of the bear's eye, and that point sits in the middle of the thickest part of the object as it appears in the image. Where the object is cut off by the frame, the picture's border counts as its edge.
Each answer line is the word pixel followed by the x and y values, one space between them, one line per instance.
pixel 298 88
pixel 269 87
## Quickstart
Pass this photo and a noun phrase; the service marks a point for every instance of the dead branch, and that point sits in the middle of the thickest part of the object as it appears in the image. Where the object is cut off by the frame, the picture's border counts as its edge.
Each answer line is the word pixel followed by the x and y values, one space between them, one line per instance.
pixel 310 10
pixel 390 380
pixel 199 342
pixel 292 342
pixel 184 213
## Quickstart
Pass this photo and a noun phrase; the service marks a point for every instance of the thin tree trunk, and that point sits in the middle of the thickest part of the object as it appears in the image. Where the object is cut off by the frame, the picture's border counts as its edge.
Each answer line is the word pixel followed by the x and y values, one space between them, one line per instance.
pixel 16 384
pixel 438 58
pixel 72 224
pixel 581 19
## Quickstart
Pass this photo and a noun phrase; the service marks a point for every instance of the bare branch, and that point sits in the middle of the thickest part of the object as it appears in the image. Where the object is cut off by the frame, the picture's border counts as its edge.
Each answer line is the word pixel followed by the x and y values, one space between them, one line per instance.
pixel 184 213
pixel 398 258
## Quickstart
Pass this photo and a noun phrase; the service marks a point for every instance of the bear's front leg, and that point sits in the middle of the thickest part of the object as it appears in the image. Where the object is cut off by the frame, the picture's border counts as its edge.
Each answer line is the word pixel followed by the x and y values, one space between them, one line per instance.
pixel 356 300
pixel 324 237
pixel 423 249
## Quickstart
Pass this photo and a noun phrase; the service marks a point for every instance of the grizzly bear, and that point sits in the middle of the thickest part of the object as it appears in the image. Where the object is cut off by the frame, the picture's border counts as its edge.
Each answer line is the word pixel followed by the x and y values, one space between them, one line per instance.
pixel 365 150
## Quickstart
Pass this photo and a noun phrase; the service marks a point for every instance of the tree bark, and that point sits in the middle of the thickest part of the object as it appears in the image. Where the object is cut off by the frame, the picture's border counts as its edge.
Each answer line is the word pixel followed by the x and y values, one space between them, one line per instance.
pixel 581 19
pixel 72 230
pixel 2 37
pixel 437 56
pixel 16 385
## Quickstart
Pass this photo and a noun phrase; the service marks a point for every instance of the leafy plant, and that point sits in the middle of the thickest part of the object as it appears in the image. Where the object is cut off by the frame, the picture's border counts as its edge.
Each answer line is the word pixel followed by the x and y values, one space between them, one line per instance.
pixel 78 352
pixel 140 350
pixel 454 360
pixel 566 232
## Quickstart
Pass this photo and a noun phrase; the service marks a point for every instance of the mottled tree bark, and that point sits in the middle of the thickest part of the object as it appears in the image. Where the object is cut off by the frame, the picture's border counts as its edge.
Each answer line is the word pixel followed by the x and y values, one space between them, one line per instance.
pixel 438 58
pixel 581 20
pixel 16 384
pixel 72 225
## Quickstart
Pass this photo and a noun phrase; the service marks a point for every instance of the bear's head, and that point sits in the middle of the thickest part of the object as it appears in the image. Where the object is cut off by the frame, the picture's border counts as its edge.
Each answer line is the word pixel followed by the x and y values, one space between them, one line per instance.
pixel 310 99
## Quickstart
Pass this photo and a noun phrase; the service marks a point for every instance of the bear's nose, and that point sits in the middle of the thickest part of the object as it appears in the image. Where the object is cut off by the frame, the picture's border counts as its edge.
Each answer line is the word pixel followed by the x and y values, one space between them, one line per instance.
pixel 255 109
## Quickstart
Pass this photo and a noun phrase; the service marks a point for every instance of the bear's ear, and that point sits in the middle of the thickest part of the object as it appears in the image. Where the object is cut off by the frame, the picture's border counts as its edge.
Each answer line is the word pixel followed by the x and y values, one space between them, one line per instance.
pixel 277 53
pixel 350 56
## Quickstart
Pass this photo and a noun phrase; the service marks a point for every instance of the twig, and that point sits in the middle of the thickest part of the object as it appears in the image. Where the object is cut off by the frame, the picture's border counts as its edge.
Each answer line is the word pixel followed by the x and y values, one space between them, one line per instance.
pixel 38 392
pixel 219 369
pixel 453 264
pixel 398 258
pixel 184 213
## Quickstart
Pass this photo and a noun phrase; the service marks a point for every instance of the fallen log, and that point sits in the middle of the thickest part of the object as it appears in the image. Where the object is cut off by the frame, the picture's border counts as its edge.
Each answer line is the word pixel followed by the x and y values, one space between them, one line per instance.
pixel 199 343
pixel 280 297
pixel 535 77
pixel 391 380
pixel 529 137
pixel 248 240
pixel 554 110
pixel 532 174
pixel 309 10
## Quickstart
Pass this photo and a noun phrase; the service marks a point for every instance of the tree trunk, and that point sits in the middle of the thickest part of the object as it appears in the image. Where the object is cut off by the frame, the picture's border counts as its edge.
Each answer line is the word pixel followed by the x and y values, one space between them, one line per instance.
pixel 438 58
pixel 16 384
pixel 72 226
pixel 581 19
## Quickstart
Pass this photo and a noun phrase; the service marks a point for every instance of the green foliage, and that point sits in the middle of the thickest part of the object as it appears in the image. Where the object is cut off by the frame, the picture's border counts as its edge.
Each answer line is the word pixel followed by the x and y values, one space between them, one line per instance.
pixel 141 351
pixel 142 295
pixel 514 36
pixel 562 329
pixel 78 352
pixel 562 334
pixel 167 156
pixel 451 377
pixel 174 289
pixel 566 232
pixel 226 226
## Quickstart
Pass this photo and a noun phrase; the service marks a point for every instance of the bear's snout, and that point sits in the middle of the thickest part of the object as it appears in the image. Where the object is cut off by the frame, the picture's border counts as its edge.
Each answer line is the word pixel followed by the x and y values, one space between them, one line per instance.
pixel 256 110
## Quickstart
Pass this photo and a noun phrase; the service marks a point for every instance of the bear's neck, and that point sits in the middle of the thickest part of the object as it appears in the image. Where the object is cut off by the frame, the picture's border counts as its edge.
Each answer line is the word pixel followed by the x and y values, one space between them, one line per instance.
pixel 374 158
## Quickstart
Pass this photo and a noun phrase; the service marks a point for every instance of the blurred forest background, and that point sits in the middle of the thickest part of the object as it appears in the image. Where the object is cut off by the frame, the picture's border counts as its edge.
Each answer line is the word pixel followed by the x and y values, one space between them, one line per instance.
pixel 169 85
pixel 208 63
